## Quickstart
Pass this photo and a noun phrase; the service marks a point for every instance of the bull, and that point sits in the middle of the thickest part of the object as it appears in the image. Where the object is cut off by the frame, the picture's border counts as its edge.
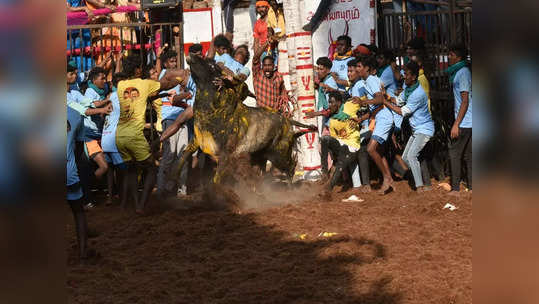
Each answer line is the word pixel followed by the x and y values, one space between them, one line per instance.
pixel 232 133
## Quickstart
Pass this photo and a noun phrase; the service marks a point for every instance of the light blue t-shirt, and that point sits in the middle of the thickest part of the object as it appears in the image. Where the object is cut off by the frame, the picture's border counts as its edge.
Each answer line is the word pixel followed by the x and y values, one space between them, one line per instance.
pixel 358 90
pixel 340 67
pixel 72 176
pixel 463 83
pixel 232 64
pixel 373 86
pixel 168 111
pixel 108 138
pixel 417 106
pixel 93 125
pixel 390 84
pixel 77 102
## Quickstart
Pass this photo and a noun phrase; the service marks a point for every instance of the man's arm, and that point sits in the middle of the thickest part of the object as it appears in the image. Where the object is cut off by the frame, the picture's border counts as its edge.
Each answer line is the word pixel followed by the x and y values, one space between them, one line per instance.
pixel 378 99
pixel 81 9
pixel 460 116
pixel 258 50
pixel 181 119
pixel 318 113
pixel 211 50
pixel 180 99
pixel 173 78
pixel 339 81
pixel 101 5
pixel 393 107
pixel 396 73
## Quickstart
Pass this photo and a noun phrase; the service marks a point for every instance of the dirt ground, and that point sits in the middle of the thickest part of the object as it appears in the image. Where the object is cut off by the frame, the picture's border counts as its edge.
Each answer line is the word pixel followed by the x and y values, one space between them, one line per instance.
pixel 399 248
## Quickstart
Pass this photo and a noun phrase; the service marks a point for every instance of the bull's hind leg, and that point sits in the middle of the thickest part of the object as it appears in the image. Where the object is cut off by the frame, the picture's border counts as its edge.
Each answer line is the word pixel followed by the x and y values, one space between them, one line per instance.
pixel 187 152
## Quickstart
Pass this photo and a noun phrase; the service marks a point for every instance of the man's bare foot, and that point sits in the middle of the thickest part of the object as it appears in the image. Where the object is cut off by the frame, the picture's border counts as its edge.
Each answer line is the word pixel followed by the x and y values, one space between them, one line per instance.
pixel 424 189
pixel 365 189
pixel 454 193
pixel 386 187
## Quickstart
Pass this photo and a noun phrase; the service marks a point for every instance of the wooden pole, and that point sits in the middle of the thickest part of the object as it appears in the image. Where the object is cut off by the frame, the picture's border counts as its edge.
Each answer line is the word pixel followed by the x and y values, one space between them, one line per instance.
pixel 300 54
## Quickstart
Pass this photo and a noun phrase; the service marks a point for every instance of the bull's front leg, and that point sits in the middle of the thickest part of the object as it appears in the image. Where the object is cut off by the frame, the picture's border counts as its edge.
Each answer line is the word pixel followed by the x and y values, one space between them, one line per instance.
pixel 187 152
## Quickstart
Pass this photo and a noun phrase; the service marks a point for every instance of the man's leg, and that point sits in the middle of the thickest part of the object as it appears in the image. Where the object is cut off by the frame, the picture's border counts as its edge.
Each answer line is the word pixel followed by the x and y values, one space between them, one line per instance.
pixel 110 185
pixel 363 159
pixel 150 177
pixel 468 156
pixel 325 142
pixel 101 162
pixel 85 172
pixel 424 158
pixel 375 151
pixel 456 150
pixel 132 184
pixel 415 144
pixel 354 171
pixel 181 144
pixel 81 226
pixel 164 184
pixel 344 159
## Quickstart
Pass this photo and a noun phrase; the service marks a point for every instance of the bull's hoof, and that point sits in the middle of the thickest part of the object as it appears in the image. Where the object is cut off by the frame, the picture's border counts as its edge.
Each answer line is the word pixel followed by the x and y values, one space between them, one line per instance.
pixel 222 198
pixel 326 195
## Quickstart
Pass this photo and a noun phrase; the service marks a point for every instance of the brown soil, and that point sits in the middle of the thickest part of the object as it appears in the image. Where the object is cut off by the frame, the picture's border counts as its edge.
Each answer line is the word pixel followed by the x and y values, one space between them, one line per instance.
pixel 398 248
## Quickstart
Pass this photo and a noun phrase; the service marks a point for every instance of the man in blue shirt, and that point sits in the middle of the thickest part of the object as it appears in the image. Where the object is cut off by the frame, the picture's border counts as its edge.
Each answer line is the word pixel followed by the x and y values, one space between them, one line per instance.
pixel 220 50
pixel 108 144
pixel 384 120
pixel 74 190
pixel 343 54
pixel 326 85
pixel 416 106
pixel 460 147
pixel 93 125
pixel 385 72
pixel 174 146
pixel 358 91
pixel 85 107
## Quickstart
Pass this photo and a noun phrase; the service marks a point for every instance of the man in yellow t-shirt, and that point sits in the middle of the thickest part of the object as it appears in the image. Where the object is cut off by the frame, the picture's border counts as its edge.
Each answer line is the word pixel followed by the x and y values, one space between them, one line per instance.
pixel 133 95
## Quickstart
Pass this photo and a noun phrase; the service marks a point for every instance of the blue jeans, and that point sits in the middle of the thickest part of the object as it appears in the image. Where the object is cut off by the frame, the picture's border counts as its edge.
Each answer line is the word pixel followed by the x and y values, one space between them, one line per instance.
pixel 415 144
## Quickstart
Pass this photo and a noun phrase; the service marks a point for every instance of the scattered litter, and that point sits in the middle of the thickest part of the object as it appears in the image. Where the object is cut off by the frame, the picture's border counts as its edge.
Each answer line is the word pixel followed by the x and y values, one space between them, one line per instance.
pixel 301 236
pixel 450 207
pixel 327 234
pixel 445 186
pixel 353 198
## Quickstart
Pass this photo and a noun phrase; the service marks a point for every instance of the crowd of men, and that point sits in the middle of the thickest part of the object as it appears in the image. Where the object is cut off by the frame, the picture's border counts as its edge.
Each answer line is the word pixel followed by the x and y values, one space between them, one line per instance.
pixel 365 101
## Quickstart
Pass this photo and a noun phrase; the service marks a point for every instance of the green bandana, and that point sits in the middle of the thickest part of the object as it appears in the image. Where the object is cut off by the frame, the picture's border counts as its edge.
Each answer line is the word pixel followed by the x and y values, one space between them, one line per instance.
pixel 406 60
pixel 102 92
pixel 408 91
pixel 322 100
pixel 453 69
pixel 341 116
pixel 380 71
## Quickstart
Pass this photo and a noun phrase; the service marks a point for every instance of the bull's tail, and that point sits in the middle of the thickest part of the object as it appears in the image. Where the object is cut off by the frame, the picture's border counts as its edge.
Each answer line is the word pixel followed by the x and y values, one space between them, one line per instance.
pixel 299 124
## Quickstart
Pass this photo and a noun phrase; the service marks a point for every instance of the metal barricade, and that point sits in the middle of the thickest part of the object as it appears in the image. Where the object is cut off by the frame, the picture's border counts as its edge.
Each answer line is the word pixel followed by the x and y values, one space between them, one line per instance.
pixel 91 44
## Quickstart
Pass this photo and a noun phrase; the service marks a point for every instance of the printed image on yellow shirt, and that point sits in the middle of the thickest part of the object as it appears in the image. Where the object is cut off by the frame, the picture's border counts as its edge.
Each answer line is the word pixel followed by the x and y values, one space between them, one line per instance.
pixel 133 95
